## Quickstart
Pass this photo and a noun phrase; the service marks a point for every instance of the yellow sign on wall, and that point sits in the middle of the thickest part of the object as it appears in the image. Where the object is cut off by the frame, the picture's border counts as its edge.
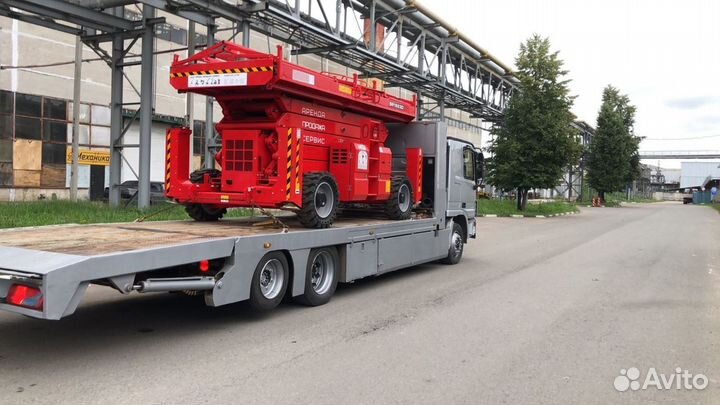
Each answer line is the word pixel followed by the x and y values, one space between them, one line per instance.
pixel 90 157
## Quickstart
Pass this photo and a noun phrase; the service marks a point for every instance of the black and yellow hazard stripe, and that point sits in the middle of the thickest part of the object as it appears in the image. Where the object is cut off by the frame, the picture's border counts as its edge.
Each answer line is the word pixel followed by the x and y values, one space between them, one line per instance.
pixel 167 163
pixel 297 166
pixel 223 71
pixel 288 180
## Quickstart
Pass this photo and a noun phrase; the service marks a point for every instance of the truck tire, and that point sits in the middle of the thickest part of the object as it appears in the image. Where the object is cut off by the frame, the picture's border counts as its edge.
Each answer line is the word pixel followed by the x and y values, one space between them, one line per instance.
pixel 269 282
pixel 198 176
pixel 320 200
pixel 321 277
pixel 204 212
pixel 455 251
pixel 400 203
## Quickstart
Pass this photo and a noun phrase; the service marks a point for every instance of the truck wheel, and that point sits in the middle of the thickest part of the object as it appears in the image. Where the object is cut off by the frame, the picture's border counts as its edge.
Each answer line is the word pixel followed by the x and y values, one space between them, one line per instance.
pixel 269 282
pixel 400 203
pixel 204 212
pixel 320 200
pixel 321 277
pixel 456 245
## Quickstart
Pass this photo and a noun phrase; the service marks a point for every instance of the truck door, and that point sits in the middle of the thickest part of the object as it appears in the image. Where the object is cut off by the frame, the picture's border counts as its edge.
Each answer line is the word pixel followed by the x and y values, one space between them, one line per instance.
pixel 461 179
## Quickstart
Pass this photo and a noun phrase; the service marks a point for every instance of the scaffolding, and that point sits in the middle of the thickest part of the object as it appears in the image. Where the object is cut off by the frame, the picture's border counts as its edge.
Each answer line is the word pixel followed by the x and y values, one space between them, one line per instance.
pixel 397 41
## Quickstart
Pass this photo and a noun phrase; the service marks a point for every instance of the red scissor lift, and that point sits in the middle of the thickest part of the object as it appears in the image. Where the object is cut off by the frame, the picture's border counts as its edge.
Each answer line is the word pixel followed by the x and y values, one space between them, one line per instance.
pixel 290 138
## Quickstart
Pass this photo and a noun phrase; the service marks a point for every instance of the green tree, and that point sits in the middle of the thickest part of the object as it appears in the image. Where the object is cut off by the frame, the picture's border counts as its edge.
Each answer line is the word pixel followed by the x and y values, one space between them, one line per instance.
pixel 534 142
pixel 613 158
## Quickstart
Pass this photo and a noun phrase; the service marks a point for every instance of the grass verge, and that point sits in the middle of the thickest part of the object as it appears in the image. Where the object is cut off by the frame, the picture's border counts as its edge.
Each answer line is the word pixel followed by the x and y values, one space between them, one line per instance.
pixel 52 212
pixel 508 207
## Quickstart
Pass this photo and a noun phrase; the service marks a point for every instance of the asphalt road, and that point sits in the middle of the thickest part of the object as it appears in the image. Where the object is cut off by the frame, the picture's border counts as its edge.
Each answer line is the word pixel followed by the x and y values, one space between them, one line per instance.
pixel 539 311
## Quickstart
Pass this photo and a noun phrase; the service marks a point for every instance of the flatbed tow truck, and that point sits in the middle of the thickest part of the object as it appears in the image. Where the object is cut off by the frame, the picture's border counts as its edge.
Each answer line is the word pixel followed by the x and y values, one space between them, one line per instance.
pixel 45 271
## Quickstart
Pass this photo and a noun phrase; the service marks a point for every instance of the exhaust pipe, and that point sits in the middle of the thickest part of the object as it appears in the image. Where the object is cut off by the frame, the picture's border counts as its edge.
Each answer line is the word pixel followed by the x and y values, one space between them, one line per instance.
pixel 175 284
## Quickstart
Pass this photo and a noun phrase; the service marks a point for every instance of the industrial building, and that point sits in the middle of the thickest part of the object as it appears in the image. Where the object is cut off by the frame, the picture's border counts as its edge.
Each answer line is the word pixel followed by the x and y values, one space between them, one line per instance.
pixel 699 175
pixel 36 91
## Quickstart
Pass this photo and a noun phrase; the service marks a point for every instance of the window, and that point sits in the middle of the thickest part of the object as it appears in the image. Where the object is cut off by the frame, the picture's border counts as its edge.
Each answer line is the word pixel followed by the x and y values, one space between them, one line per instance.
pixel 200 38
pixel 6 174
pixel 27 128
pixel 6 150
pixel 163 31
pixel 55 109
pixel 54 153
pixel 178 35
pixel 6 130
pixel 54 131
pixel 28 104
pixel 6 102
pixel 469 163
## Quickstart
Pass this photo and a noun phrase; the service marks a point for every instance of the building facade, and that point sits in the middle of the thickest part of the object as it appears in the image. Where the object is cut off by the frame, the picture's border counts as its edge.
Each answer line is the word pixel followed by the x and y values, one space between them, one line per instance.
pixel 36 109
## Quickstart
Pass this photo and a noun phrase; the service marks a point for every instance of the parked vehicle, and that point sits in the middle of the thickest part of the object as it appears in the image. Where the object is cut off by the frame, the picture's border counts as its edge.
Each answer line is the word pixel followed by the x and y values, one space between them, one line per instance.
pixel 129 188
pixel 240 259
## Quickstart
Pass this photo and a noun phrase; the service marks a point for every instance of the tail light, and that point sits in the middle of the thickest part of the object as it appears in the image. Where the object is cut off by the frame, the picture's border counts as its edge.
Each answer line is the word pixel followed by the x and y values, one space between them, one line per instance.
pixel 25 296
pixel 204 266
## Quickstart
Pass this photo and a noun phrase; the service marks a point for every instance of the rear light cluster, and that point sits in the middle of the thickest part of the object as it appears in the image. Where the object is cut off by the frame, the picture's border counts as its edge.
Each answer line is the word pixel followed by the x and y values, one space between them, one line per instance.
pixel 25 296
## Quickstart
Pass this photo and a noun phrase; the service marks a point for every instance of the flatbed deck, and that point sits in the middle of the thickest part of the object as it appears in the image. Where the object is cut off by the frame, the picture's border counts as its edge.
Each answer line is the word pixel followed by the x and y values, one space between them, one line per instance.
pixel 98 239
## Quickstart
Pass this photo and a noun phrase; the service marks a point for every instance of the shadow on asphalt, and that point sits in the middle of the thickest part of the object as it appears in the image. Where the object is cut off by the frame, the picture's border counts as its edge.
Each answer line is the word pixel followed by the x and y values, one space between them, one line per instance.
pixel 118 323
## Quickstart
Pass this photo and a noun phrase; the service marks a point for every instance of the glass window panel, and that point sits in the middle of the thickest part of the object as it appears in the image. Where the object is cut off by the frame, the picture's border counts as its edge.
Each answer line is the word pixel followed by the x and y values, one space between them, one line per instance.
pixel 27 128
pixel 54 108
pixel 468 163
pixel 6 101
pixel 54 131
pixel 6 150
pixel 28 104
pixel 100 136
pixel 84 112
pixel 84 134
pixel 6 131
pixel 54 153
pixel 178 35
pixel 100 115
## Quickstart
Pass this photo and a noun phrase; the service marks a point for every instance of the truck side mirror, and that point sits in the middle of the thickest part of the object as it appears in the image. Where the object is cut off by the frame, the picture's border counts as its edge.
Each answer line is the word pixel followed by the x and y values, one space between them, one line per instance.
pixel 479 166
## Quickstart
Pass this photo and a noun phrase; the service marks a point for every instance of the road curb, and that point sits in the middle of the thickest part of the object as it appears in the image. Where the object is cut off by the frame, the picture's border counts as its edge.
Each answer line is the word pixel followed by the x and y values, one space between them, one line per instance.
pixel 561 214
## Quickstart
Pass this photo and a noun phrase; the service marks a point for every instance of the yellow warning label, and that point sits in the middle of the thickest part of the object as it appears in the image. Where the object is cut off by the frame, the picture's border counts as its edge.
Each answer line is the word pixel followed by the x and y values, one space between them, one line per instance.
pixel 90 157
pixel 297 186
pixel 387 186
pixel 344 89
pixel 225 198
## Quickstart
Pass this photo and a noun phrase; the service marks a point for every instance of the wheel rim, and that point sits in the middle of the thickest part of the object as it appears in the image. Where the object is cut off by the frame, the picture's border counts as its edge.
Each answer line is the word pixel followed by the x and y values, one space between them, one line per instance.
pixel 456 244
pixel 324 200
pixel 322 272
pixel 272 278
pixel 404 197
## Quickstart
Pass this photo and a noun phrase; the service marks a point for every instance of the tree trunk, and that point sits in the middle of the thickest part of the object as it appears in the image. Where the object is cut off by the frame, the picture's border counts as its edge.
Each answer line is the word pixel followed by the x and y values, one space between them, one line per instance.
pixel 522 194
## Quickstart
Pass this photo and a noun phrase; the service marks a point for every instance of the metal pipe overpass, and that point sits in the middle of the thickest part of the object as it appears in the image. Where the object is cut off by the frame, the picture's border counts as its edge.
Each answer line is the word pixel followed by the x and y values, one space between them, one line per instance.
pixel 397 41
pixel 681 154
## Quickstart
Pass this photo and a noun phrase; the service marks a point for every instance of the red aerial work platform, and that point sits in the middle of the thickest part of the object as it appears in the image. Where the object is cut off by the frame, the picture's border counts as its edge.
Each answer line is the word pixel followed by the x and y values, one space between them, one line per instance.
pixel 290 138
